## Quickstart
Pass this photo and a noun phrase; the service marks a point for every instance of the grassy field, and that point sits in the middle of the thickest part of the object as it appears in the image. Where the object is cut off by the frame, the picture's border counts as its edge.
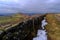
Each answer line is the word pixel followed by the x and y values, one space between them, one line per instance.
pixel 53 26
pixel 8 21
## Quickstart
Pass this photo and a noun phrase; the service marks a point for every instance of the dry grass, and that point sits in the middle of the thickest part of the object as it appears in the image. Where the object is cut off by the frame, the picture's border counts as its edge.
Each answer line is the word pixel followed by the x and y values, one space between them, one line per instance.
pixel 53 27
pixel 10 21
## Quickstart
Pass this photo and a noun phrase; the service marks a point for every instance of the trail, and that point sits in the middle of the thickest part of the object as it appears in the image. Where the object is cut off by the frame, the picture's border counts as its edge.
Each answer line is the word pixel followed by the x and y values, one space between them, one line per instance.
pixel 41 34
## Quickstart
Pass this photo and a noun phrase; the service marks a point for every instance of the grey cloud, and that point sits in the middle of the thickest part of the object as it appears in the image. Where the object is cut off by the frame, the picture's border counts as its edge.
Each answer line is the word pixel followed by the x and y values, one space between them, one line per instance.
pixel 32 6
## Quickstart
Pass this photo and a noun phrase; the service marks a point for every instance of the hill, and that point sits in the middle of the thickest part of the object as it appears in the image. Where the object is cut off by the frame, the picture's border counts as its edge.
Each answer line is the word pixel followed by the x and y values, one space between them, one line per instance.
pixel 8 21
pixel 53 26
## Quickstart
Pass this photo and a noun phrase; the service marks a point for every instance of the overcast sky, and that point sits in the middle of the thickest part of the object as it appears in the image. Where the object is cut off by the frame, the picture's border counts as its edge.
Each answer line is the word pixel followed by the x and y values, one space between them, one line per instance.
pixel 29 6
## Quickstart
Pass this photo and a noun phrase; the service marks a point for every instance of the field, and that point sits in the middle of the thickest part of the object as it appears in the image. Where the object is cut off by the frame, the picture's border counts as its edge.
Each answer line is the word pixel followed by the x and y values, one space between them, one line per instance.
pixel 53 26
pixel 10 21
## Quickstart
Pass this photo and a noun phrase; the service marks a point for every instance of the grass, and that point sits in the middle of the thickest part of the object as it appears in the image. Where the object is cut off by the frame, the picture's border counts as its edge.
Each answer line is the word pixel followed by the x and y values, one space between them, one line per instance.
pixel 10 21
pixel 53 27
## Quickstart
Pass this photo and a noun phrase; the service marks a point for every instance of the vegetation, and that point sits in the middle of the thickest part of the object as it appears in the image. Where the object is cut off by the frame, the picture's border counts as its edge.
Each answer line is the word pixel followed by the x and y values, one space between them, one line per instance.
pixel 10 21
pixel 53 27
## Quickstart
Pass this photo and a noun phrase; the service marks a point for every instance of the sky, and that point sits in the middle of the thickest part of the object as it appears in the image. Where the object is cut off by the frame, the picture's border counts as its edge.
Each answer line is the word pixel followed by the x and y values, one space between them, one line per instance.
pixel 29 6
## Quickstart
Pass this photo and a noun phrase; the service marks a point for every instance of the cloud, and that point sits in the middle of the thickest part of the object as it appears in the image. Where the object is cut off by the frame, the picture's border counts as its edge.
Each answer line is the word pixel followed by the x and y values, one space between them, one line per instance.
pixel 30 6
pixel 7 11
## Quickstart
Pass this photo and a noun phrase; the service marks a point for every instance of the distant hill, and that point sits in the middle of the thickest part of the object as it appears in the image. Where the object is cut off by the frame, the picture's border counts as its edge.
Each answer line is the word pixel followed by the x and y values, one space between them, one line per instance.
pixel 8 14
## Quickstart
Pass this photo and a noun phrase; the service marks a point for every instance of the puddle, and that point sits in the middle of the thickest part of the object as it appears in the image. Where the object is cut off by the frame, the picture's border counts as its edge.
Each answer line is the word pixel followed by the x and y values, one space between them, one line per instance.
pixel 41 34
